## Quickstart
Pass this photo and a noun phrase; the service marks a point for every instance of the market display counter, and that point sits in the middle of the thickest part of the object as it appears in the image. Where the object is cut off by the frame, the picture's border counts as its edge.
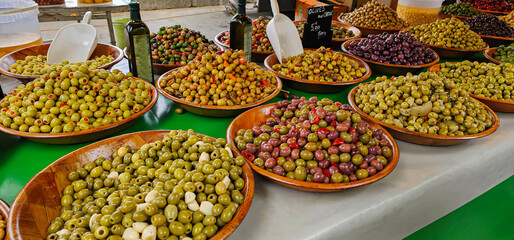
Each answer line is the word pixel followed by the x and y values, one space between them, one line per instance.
pixel 428 182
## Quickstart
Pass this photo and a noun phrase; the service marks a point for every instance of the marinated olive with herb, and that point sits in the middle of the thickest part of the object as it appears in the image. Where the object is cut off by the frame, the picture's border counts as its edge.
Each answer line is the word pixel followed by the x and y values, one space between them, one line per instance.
pixel 73 99
pixel 320 141
pixel 375 15
pixel 178 45
pixel 323 64
pixel 260 41
pixel 337 31
pixel 38 65
pixel 460 9
pixel 154 203
pixel 225 79
pixel 424 103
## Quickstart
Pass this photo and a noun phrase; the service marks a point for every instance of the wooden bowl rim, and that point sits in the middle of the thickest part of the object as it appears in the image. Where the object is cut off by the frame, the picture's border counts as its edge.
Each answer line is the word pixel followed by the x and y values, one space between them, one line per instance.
pixel 214 107
pixel 358 80
pixel 459 17
pixel 355 30
pixel 19 76
pixel 458 49
pixel 437 67
pixel 492 129
pixel 497 38
pixel 345 44
pixel 493 12
pixel 4 209
pixel 369 28
pixel 147 108
pixel 238 217
pixel 393 161
pixel 218 42
pixel 488 53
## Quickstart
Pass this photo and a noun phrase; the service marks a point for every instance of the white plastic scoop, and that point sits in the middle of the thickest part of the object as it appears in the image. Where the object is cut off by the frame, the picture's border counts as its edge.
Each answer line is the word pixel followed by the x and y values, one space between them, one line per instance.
pixel 74 42
pixel 282 34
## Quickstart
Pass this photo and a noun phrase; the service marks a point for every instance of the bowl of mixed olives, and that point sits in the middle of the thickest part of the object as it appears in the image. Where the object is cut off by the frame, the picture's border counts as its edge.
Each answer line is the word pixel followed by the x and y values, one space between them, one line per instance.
pixel 4 213
pixel 341 32
pixel 501 54
pixel 313 145
pixel 30 62
pixel 490 83
pixel 75 104
pixel 144 185
pixel 320 70
pixel 219 85
pixel 424 109
pixel 261 46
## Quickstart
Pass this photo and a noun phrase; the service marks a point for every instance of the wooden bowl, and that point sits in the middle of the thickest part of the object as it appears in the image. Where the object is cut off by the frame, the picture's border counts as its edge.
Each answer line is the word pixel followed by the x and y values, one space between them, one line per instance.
pixel 213 111
pixel 493 12
pixel 495 104
pixel 445 52
pixel 85 135
pixel 4 212
pixel 257 56
pixel 9 59
pixel 497 41
pixel 157 68
pixel 365 31
pixel 259 115
pixel 39 201
pixel 316 86
pixel 336 42
pixel 390 69
pixel 424 138
pixel 489 53
pixel 444 15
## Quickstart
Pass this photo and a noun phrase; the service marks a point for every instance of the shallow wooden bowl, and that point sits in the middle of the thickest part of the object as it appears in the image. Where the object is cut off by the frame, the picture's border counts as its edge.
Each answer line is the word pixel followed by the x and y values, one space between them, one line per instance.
pixel 493 12
pixel 336 42
pixel 497 41
pixel 365 31
pixel 390 69
pixel 424 138
pixel 39 201
pixel 489 53
pixel 259 115
pixel 213 111
pixel 9 59
pixel 4 212
pixel 496 105
pixel 316 86
pixel 157 68
pixel 257 56
pixel 445 52
pixel 84 135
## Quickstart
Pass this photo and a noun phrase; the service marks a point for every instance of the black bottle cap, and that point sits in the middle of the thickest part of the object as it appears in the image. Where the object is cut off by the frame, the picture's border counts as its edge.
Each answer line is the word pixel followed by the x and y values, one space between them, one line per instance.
pixel 133 6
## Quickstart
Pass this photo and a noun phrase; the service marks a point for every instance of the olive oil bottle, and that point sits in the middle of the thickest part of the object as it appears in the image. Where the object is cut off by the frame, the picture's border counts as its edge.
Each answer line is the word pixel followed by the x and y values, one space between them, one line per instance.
pixel 137 36
pixel 241 30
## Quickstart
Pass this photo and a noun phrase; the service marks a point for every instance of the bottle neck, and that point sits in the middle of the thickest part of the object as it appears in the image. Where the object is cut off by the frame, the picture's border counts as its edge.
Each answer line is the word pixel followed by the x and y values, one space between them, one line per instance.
pixel 135 16
pixel 241 7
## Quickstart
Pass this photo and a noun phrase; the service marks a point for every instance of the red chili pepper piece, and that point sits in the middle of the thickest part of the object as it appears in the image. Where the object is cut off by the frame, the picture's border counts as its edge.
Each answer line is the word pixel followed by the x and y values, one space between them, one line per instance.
pixel 277 129
pixel 326 172
pixel 243 60
pixel 63 104
pixel 315 120
pixel 291 71
pixel 338 104
pixel 333 164
pixel 294 145
pixel 334 123
pixel 426 118
pixel 261 87
pixel 323 130
pixel 248 155
pixel 351 129
pixel 263 81
pixel 338 141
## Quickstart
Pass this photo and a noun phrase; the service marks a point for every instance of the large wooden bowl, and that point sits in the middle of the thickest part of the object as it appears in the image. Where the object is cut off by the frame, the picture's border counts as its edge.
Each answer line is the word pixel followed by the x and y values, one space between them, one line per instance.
pixel 259 115
pixel 4 212
pixel 336 42
pixel 157 68
pixel 9 59
pixel 445 52
pixel 213 111
pixel 493 12
pixel 39 201
pixel 85 135
pixel 390 69
pixel 489 54
pixel 497 41
pixel 370 30
pixel 257 56
pixel 495 104
pixel 316 86
pixel 424 138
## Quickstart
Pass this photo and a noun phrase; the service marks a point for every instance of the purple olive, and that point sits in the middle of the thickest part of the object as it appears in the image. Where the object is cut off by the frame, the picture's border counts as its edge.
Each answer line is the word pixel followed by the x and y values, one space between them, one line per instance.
pixel 324 164
pixel 318 177
pixel 270 163
pixel 333 169
pixel 345 147
pixel 332 150
pixel 285 151
pixel 295 154
pixel 345 168
pixel 319 155
pixel 376 164
pixel 279 170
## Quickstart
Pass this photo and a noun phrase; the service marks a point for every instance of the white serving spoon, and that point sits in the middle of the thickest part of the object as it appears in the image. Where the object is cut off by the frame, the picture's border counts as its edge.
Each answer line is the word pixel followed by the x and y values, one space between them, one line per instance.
pixel 282 34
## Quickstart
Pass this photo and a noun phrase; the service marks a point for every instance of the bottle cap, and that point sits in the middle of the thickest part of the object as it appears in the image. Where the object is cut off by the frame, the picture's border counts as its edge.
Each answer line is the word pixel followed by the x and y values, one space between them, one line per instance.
pixel 133 6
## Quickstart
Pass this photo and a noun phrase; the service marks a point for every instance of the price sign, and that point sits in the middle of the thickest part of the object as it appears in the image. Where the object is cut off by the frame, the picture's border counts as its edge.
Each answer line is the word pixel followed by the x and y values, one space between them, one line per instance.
pixel 317 31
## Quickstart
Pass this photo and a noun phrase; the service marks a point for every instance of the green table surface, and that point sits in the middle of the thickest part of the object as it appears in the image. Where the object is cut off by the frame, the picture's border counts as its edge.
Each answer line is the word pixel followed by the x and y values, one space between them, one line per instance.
pixel 21 159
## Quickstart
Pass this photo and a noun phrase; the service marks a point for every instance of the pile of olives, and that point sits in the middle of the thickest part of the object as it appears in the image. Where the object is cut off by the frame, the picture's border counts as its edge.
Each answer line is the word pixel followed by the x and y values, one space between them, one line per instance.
pixel 74 99
pixel 337 31
pixel 460 9
pixel 323 64
pixel 509 18
pixel 186 186
pixel 260 41
pixel 376 15
pixel 505 54
pixel 37 65
pixel 224 79
pixel 316 141
pixel 424 103
pixel 482 79
pixel 3 225
pixel 489 25
pixel 449 32
pixel 178 45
